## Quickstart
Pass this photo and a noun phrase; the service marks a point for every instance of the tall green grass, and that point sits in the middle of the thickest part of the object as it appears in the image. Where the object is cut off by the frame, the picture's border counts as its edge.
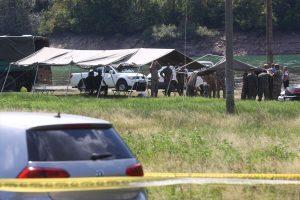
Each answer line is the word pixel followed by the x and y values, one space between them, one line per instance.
pixel 182 134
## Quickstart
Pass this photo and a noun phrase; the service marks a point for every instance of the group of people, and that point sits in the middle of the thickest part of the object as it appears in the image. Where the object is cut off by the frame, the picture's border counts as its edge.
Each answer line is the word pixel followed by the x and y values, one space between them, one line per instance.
pixel 180 80
pixel 94 84
pixel 265 82
pixel 169 74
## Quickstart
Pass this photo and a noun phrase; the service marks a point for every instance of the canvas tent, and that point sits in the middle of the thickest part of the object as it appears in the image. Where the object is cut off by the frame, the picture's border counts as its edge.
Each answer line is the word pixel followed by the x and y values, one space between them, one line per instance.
pixel 92 58
pixel 237 66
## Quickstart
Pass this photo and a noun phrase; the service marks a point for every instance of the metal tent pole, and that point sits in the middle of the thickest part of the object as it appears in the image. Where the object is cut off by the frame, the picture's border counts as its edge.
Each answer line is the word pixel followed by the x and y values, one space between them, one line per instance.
pixel 9 67
pixel 35 78
pixel 69 79
pixel 82 79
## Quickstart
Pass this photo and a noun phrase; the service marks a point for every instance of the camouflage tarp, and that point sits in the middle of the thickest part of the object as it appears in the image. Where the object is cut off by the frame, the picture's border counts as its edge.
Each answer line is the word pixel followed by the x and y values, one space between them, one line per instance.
pixel 13 48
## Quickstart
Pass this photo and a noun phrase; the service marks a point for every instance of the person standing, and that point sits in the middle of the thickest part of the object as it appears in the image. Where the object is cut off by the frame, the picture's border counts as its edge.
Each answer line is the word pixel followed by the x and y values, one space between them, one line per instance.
pixel 220 77
pixel 181 76
pixel 263 89
pixel 191 84
pixel 154 78
pixel 270 73
pixel 277 82
pixel 286 77
pixel 167 73
pixel 251 83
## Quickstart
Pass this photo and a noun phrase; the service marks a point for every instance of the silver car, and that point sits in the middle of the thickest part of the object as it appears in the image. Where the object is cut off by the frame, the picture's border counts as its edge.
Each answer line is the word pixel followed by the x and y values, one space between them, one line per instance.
pixel 45 145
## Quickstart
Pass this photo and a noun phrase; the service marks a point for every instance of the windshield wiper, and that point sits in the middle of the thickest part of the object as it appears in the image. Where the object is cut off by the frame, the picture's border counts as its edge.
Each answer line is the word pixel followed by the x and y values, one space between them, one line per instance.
pixel 96 156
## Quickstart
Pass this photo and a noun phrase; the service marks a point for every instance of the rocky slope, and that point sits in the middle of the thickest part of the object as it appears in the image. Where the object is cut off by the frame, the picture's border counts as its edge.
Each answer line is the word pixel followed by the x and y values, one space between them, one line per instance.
pixel 252 43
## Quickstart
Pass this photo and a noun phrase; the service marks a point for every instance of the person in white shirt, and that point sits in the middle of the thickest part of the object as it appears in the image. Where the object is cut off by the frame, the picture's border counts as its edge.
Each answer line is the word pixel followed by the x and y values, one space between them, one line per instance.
pixel 286 77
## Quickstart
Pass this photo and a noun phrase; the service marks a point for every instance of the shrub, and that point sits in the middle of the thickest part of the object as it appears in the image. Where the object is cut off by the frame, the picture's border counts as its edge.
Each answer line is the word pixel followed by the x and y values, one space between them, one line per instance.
pixel 203 31
pixel 165 32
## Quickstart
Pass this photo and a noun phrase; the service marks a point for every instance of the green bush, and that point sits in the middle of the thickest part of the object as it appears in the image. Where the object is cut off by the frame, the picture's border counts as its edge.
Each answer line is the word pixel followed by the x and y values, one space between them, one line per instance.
pixel 165 32
pixel 203 31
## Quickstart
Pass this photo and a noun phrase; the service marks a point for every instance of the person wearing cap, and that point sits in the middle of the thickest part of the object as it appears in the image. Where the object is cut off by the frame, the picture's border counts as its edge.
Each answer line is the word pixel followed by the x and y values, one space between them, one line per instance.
pixel 286 77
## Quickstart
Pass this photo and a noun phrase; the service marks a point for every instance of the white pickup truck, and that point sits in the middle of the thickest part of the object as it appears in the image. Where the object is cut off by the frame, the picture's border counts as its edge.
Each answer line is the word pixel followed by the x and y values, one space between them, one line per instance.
pixel 121 81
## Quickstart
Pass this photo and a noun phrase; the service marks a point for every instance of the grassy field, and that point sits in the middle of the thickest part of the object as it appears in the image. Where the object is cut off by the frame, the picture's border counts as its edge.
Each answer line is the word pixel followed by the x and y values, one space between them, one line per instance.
pixel 182 134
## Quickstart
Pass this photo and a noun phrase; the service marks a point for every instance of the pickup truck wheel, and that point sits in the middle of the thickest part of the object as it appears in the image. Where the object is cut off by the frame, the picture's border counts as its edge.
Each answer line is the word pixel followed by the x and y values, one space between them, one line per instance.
pixel 10 84
pixel 122 85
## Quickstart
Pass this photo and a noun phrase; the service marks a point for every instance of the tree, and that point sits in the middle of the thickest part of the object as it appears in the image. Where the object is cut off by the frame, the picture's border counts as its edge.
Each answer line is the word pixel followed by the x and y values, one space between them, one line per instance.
pixel 14 17
pixel 229 75
pixel 269 31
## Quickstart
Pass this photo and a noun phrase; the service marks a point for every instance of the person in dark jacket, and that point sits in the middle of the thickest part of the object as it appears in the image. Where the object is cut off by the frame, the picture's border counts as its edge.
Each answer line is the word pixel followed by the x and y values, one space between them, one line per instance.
pixel 90 83
pixel 251 83
pixel 167 73
pixel 263 89
pixel 220 77
pixel 181 76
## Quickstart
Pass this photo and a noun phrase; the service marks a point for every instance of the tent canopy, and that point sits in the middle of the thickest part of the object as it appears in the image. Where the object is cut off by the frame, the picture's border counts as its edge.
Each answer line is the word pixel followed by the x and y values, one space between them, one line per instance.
pixel 237 66
pixel 92 58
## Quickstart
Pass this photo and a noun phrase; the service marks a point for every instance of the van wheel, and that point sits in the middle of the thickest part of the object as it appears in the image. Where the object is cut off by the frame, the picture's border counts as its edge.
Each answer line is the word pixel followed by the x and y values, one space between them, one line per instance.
pixel 10 84
pixel 122 85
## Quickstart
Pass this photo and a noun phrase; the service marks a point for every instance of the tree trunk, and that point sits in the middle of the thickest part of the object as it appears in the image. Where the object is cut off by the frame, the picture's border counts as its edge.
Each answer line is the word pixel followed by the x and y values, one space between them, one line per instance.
pixel 269 31
pixel 229 74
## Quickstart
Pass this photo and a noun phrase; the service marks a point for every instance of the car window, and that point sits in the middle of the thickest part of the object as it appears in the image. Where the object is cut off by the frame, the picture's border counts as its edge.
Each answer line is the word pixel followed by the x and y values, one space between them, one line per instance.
pixel 99 69
pixel 75 145
pixel 107 69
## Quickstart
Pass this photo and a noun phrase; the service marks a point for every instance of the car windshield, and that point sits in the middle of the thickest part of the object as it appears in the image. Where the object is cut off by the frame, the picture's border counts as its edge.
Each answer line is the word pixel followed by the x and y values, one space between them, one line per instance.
pixel 75 145
pixel 128 69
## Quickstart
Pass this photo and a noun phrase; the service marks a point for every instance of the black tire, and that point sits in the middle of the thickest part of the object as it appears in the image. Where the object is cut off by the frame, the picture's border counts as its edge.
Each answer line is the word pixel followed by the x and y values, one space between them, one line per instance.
pixel 122 85
pixel 10 84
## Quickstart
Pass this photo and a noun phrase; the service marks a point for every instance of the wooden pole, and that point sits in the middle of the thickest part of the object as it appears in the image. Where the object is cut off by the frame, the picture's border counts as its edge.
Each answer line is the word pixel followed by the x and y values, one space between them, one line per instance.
pixel 269 31
pixel 229 74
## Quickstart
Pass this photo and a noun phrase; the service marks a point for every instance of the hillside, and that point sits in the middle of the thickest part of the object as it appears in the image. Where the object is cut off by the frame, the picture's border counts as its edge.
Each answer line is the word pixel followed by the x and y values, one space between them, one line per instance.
pixel 113 24
pixel 252 43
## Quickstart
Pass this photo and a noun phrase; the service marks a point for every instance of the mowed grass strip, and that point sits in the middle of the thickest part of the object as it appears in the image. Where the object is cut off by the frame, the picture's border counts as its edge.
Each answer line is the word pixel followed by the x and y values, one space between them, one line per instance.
pixel 181 134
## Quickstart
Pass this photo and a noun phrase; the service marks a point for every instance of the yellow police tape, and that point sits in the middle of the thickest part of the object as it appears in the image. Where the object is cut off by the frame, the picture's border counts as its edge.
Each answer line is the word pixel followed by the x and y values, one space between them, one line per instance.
pixel 109 183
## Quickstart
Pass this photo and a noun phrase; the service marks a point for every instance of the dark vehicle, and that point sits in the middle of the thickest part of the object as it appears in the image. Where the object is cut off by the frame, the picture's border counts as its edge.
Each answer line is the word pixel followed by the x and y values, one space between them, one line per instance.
pixel 14 48
pixel 290 93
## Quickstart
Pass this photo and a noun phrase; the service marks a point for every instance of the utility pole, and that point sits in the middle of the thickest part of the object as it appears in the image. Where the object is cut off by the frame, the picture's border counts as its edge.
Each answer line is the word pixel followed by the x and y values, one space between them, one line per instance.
pixel 229 75
pixel 269 31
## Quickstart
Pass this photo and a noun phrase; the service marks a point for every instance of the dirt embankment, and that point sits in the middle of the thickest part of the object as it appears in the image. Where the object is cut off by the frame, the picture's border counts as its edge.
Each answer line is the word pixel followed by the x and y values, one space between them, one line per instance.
pixel 252 43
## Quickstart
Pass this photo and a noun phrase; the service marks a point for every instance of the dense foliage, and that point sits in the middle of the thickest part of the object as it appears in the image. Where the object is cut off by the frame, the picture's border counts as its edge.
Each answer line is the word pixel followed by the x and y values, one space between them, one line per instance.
pixel 151 17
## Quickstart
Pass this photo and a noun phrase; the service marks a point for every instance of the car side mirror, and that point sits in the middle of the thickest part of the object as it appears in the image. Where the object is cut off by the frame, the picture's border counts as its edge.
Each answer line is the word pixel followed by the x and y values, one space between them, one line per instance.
pixel 111 71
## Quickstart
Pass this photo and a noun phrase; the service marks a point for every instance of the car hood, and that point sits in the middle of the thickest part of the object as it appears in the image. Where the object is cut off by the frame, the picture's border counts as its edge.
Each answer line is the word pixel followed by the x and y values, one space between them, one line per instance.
pixel 130 74
pixel 293 90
